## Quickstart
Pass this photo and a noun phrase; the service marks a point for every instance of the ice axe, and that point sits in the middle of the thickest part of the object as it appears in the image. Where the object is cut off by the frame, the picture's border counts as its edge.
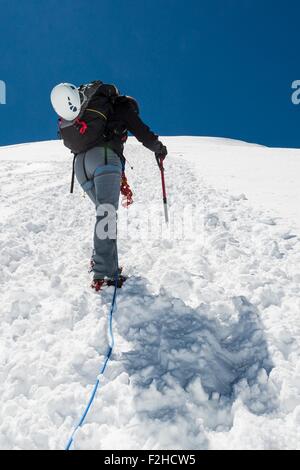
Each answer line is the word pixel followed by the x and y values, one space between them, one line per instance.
pixel 162 172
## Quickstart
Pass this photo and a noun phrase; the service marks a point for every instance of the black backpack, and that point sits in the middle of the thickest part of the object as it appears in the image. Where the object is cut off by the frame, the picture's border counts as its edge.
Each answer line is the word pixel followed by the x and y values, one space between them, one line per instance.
pixel 89 129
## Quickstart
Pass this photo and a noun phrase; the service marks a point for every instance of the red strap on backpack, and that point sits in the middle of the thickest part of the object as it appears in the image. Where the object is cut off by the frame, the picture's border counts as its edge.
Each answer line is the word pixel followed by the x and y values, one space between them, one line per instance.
pixel 83 126
pixel 126 192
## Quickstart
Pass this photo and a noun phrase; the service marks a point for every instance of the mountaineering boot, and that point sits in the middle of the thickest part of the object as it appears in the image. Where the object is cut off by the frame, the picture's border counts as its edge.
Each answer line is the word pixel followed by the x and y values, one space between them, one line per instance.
pixel 98 284
pixel 120 281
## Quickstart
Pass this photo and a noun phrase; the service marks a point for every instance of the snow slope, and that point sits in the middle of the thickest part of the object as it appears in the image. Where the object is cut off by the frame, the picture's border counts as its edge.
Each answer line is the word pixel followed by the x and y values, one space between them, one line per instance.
pixel 207 328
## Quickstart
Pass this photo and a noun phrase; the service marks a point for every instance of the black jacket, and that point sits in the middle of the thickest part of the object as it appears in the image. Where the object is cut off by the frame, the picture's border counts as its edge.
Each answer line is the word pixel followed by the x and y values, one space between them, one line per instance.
pixel 124 119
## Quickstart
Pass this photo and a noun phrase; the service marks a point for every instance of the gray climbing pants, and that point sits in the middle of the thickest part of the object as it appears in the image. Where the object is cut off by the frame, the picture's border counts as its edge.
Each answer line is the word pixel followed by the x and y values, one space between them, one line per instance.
pixel 98 171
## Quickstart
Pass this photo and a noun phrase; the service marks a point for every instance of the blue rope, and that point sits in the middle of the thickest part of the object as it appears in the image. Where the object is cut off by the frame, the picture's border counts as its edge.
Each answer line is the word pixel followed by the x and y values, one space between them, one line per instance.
pixel 108 355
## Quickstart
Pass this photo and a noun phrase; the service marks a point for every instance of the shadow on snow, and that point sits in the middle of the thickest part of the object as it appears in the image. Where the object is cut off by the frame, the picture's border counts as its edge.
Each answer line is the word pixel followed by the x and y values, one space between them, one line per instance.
pixel 173 344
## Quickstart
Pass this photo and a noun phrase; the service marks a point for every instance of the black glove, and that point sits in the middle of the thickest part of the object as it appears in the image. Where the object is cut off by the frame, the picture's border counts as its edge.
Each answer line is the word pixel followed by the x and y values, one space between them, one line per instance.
pixel 161 155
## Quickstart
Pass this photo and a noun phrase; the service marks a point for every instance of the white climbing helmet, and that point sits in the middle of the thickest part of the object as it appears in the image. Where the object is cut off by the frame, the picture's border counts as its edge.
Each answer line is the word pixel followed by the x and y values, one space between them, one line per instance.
pixel 65 99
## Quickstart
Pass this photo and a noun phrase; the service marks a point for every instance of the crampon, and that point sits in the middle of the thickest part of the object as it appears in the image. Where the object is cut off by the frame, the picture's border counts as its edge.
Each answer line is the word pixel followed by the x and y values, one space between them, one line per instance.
pixel 99 284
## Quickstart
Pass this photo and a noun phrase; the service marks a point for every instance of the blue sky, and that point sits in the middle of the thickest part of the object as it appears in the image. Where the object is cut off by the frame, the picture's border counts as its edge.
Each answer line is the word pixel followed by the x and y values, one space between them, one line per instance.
pixel 205 67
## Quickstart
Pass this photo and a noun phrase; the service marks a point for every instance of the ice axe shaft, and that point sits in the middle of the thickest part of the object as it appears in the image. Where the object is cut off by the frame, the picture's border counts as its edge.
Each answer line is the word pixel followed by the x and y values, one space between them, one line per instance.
pixel 163 183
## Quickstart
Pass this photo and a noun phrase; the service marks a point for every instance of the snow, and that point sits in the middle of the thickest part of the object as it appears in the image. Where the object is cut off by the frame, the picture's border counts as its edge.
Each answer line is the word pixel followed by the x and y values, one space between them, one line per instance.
pixel 207 329
pixel 269 176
